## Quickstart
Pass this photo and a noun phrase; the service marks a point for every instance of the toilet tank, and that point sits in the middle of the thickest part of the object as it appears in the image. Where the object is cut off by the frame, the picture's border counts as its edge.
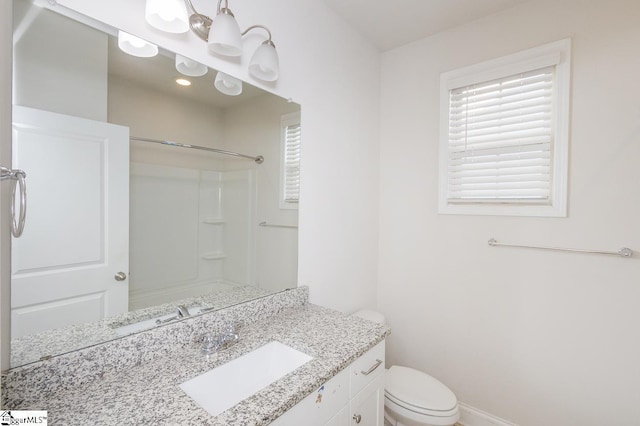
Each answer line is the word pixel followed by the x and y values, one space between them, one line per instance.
pixel 371 316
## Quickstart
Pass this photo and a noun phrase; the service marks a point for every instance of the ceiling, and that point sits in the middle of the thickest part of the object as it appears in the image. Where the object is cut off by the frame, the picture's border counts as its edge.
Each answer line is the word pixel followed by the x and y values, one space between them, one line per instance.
pixel 392 24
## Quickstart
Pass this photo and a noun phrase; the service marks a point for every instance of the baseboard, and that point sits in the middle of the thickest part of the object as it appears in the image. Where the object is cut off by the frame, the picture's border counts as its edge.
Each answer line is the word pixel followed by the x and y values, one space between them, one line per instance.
pixel 470 416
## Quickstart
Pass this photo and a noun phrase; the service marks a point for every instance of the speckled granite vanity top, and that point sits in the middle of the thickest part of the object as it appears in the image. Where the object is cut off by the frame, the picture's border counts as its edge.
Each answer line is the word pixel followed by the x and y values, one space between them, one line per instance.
pixel 147 392
pixel 62 340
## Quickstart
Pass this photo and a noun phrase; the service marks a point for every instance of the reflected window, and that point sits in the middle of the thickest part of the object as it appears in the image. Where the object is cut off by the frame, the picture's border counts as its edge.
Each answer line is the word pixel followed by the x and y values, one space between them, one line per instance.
pixel 290 170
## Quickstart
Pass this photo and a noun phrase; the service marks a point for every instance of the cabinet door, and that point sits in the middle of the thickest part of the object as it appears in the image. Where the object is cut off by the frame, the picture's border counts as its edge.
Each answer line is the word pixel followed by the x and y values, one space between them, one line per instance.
pixel 340 419
pixel 321 406
pixel 367 407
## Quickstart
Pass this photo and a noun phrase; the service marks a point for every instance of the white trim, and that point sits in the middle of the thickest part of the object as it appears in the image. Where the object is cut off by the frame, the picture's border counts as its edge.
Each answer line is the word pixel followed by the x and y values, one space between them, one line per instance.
pixel 471 416
pixel 558 53
pixel 6 55
pixel 537 57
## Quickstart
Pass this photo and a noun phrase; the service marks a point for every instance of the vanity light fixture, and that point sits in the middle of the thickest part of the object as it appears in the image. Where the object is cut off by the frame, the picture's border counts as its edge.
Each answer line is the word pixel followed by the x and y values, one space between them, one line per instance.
pixel 227 84
pixel 264 62
pixel 167 15
pixel 190 67
pixel 224 37
pixel 222 34
pixel 136 46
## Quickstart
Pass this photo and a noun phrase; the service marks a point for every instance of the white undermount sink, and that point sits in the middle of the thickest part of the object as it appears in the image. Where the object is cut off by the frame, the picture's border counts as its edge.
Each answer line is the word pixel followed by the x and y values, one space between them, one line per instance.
pixel 223 387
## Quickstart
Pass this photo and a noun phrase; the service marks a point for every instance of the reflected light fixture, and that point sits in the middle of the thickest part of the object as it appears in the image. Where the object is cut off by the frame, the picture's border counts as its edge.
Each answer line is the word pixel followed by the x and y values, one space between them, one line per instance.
pixel 136 46
pixel 167 15
pixel 190 67
pixel 222 34
pixel 183 82
pixel 227 84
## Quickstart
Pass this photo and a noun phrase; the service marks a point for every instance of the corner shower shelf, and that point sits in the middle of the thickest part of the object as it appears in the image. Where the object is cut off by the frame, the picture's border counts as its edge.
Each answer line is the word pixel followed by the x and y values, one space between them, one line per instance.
pixel 213 256
pixel 213 220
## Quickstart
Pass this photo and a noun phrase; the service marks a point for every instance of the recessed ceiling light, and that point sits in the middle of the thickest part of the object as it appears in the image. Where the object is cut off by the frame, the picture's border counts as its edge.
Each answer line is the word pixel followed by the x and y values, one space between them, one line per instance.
pixel 183 81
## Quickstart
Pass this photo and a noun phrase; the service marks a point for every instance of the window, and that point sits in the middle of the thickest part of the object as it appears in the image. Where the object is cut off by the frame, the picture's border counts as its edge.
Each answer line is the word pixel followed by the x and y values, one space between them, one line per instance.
pixel 290 170
pixel 504 135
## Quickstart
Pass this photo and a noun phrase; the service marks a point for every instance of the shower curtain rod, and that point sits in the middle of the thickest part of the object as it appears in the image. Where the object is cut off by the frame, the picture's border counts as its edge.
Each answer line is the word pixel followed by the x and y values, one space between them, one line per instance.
pixel 259 159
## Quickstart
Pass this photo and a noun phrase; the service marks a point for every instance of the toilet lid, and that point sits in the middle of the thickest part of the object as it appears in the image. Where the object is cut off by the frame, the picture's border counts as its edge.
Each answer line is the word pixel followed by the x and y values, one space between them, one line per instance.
pixel 417 389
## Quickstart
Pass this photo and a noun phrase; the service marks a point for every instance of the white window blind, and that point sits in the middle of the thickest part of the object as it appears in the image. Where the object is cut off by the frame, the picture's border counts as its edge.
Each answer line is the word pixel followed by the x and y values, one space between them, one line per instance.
pixel 504 134
pixel 291 159
pixel 500 140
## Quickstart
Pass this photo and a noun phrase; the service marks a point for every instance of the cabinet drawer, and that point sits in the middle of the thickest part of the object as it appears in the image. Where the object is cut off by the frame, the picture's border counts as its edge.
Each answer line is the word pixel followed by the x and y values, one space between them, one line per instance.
pixel 366 368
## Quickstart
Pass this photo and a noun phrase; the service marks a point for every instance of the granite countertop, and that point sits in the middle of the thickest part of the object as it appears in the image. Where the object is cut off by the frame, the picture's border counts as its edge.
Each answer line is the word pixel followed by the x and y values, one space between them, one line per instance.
pixel 149 394
pixel 65 339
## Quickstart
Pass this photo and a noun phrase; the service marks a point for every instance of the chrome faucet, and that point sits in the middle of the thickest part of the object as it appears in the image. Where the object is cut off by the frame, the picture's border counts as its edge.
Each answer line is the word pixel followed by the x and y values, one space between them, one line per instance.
pixel 214 342
pixel 183 312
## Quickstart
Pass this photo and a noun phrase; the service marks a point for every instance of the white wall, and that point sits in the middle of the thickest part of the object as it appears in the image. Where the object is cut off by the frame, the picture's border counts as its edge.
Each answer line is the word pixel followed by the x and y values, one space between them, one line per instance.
pixel 59 66
pixel 334 74
pixel 535 337
pixel 152 114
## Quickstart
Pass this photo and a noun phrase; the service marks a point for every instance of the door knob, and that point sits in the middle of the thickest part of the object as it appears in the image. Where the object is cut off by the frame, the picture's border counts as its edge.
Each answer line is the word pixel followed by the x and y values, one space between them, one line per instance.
pixel 357 418
pixel 120 276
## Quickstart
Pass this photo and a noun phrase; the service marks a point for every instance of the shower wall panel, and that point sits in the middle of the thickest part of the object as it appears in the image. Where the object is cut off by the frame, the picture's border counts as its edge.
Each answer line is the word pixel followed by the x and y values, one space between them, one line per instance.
pixel 191 232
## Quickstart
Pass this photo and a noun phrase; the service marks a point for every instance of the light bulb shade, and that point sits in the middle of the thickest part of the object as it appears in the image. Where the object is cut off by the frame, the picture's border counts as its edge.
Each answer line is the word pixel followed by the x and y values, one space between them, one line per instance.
pixel 190 67
pixel 224 36
pixel 228 85
pixel 167 15
pixel 264 63
pixel 136 46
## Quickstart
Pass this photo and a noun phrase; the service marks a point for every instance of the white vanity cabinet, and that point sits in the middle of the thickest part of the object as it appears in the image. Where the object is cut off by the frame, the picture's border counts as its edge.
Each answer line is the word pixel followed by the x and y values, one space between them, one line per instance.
pixel 367 407
pixel 355 396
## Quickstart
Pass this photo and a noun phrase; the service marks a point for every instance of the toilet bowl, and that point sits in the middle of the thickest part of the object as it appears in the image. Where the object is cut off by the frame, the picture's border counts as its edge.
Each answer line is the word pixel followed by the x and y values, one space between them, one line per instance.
pixel 414 398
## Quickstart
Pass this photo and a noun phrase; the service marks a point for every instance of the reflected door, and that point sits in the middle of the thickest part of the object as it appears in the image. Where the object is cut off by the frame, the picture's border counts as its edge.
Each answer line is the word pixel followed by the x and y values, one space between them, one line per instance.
pixel 71 263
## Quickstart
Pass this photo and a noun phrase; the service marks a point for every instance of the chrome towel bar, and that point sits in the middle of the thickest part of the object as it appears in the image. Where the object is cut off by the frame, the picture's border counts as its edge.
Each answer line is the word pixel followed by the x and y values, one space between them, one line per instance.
pixel 623 252
pixel 269 225
pixel 18 183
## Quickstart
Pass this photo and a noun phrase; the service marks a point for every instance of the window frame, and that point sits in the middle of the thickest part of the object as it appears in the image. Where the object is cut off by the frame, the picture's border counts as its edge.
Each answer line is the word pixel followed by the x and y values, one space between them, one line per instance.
pixel 556 54
pixel 285 121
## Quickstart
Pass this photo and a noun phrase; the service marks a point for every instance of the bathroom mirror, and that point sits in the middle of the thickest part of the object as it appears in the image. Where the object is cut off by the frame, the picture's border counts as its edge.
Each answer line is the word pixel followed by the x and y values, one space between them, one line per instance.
pixel 192 228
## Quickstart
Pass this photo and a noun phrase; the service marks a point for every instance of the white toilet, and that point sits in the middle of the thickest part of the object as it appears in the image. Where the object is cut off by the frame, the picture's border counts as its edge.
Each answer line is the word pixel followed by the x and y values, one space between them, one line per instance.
pixel 413 398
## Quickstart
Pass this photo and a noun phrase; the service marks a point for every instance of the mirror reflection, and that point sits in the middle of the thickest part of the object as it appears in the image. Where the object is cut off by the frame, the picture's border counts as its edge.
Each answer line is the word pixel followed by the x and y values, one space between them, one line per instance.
pixel 125 232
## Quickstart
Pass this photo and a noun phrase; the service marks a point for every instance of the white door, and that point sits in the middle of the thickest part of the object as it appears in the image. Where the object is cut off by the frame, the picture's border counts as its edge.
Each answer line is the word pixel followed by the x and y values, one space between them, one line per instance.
pixel 76 239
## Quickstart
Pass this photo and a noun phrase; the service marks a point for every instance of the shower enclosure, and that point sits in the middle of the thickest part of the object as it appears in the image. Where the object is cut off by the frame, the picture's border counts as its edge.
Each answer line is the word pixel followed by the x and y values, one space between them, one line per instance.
pixel 192 232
